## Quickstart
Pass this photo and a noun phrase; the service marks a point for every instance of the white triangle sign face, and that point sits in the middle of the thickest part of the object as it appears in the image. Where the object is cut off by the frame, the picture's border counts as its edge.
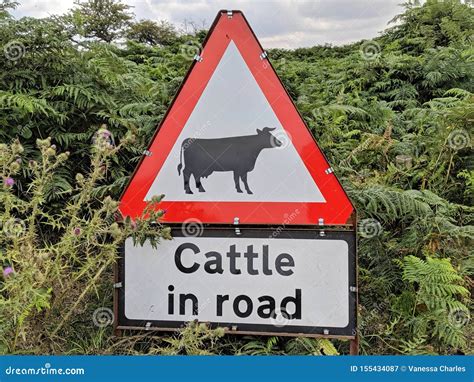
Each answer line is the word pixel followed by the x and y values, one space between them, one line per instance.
pixel 233 145
pixel 233 105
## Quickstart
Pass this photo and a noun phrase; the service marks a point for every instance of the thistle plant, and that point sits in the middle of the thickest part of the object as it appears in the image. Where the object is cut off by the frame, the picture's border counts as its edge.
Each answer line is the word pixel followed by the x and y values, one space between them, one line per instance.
pixel 53 261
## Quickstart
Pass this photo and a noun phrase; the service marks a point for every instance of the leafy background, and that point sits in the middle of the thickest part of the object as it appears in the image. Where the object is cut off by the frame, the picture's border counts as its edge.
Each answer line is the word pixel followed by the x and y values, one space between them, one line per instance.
pixel 394 116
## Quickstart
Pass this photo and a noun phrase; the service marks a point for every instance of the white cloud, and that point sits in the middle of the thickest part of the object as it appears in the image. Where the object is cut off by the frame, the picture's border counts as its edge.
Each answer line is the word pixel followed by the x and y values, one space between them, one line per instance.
pixel 42 8
pixel 283 23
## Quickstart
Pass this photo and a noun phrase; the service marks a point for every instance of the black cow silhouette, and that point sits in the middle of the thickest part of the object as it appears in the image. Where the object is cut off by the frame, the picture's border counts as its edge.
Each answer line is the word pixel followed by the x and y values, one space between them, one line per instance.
pixel 238 154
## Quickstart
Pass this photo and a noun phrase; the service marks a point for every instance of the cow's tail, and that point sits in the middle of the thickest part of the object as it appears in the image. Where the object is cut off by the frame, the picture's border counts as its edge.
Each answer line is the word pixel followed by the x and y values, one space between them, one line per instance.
pixel 180 166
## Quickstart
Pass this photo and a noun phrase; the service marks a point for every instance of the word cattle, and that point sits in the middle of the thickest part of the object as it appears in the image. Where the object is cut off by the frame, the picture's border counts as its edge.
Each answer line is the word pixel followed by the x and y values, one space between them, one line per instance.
pixel 189 259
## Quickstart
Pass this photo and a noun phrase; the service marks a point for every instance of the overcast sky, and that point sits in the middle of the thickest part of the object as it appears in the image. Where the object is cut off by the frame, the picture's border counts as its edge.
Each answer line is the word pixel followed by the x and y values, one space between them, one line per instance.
pixel 277 24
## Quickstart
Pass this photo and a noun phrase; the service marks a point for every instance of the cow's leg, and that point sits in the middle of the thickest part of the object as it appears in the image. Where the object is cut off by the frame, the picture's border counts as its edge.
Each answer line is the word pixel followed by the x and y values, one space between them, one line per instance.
pixel 237 182
pixel 198 183
pixel 244 180
pixel 186 175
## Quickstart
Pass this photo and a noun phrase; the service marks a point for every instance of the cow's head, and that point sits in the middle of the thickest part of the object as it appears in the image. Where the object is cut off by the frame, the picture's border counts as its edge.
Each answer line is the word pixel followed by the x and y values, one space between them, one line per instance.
pixel 267 139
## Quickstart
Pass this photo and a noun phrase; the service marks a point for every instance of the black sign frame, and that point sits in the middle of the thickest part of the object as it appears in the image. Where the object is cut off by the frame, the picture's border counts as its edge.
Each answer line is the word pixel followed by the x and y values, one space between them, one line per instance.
pixel 316 233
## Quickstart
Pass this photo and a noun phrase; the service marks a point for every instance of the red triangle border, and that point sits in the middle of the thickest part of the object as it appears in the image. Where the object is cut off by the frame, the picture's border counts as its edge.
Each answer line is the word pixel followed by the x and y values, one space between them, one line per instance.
pixel 336 211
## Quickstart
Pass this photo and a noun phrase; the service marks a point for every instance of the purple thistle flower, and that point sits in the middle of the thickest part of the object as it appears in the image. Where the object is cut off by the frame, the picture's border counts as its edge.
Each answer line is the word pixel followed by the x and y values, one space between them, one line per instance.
pixel 7 271
pixel 9 182
pixel 77 231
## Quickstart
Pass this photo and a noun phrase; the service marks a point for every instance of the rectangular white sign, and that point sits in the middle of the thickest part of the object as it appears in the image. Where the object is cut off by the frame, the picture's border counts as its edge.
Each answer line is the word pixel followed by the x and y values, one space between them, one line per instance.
pixel 255 283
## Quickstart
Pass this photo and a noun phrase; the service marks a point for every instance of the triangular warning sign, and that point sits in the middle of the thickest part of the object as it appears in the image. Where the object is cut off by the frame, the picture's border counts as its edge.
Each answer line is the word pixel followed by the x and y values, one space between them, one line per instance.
pixel 232 145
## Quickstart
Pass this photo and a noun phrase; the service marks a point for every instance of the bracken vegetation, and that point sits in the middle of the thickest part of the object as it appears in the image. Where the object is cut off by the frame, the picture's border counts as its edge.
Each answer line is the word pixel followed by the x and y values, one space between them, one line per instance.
pixel 80 97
